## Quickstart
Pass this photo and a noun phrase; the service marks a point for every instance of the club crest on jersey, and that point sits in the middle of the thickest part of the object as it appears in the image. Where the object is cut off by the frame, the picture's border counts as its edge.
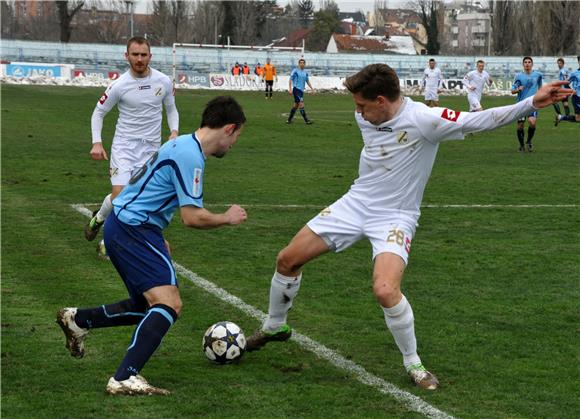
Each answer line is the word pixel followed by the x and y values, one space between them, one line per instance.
pixel 196 181
pixel 326 211
pixel 147 87
pixel 402 137
pixel 450 115
pixel 159 91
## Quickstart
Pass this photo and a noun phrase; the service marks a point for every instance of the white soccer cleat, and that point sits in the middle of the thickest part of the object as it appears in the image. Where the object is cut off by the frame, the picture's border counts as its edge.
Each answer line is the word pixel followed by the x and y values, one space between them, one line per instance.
pixel 135 385
pixel 75 335
pixel 422 378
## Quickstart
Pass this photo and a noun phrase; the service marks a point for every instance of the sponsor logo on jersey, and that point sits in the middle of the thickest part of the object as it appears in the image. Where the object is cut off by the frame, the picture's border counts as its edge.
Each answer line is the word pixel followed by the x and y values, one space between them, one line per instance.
pixel 103 99
pixel 385 129
pixel 402 137
pixel 196 181
pixel 450 115
pixel 147 87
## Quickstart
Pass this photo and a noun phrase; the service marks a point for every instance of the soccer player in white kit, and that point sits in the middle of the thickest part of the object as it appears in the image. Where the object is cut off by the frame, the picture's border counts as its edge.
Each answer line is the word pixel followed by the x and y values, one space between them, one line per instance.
pixel 140 94
pixel 474 82
pixel 401 138
pixel 432 78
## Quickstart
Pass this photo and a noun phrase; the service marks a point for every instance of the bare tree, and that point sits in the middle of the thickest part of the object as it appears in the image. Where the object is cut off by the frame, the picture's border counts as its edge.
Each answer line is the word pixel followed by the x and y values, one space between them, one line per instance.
pixel 66 15
pixel 208 18
pixel 102 21
pixel 8 22
pixel 429 11
pixel 245 19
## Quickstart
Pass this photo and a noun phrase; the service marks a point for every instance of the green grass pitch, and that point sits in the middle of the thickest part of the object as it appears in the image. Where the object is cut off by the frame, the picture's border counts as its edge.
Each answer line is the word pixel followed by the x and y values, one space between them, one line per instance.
pixel 494 290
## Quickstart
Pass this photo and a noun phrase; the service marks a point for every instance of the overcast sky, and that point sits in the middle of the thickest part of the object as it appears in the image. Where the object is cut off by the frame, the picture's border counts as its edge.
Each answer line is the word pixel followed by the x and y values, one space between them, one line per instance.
pixel 344 5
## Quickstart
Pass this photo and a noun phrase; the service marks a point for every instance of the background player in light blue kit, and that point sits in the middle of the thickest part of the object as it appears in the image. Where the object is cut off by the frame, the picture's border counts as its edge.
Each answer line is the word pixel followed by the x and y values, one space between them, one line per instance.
pixel 563 74
pixel 299 78
pixel 526 84
pixel 574 80
pixel 172 178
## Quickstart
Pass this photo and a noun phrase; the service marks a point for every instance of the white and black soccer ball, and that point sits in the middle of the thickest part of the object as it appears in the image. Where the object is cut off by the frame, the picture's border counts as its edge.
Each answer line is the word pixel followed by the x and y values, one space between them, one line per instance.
pixel 224 342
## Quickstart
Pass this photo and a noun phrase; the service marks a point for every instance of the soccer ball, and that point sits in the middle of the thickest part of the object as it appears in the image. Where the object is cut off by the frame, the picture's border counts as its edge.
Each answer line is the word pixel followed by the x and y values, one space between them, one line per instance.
pixel 224 342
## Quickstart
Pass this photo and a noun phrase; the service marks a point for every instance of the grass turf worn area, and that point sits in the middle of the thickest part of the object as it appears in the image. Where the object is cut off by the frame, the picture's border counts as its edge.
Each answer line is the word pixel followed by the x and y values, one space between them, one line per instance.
pixel 494 289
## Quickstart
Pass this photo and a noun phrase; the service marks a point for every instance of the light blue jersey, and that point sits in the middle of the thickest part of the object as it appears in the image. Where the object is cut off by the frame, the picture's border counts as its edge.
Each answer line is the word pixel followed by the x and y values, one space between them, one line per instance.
pixel 563 73
pixel 299 78
pixel 530 82
pixel 172 178
pixel 574 80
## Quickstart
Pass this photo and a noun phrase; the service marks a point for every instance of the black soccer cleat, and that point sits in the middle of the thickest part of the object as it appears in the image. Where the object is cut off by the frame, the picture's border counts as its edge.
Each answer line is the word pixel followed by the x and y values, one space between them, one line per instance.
pixel 261 338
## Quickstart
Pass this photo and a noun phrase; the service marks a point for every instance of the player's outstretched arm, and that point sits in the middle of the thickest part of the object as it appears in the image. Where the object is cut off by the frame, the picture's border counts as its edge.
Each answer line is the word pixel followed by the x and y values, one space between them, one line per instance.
pixel 203 219
pixel 551 93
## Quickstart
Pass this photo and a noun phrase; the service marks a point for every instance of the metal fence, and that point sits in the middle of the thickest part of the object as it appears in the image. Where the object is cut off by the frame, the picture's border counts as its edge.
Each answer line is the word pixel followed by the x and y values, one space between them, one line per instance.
pixel 202 60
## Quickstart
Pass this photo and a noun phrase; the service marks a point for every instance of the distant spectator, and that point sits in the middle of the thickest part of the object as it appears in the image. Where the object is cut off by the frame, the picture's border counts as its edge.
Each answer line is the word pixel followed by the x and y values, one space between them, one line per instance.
pixel 236 69
pixel 246 69
pixel 258 71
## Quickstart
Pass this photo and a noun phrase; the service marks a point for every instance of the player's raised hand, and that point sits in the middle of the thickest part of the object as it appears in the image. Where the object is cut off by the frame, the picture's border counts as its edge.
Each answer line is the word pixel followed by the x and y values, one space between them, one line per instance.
pixel 236 215
pixel 551 93
pixel 98 152
pixel 173 135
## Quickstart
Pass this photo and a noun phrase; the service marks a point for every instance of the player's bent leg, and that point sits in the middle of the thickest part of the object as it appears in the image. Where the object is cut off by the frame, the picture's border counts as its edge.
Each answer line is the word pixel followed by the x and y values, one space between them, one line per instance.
pixel 285 284
pixel 75 335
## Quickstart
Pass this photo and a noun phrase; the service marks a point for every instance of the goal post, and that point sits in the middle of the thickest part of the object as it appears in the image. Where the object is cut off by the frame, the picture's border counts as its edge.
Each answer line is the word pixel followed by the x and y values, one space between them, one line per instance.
pixel 229 47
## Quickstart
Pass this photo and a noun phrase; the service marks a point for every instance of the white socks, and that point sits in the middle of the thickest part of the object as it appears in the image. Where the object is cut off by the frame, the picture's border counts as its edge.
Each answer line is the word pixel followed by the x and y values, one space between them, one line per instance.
pixel 282 293
pixel 105 209
pixel 400 322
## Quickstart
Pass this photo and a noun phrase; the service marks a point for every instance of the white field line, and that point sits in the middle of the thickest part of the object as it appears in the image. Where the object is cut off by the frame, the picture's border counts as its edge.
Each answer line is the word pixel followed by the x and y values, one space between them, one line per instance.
pixel 410 401
pixel 82 207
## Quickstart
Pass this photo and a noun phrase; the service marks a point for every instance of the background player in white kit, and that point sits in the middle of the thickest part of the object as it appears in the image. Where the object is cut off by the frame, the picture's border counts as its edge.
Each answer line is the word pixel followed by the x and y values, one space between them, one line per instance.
pixel 401 139
pixel 432 78
pixel 140 94
pixel 474 82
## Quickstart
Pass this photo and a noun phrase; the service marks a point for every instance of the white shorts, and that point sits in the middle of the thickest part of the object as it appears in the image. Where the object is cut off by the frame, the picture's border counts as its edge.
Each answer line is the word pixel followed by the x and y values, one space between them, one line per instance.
pixel 127 156
pixel 431 94
pixel 347 221
pixel 474 104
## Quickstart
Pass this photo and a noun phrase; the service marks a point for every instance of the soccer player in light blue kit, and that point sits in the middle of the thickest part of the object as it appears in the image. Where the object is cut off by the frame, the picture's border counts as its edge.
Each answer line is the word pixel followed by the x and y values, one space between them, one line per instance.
pixel 526 84
pixel 172 178
pixel 574 80
pixel 299 78
pixel 563 74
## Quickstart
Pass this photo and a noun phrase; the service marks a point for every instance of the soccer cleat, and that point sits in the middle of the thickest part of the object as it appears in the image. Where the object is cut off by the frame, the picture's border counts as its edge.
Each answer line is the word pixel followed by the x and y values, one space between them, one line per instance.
pixel 422 378
pixel 522 149
pixel 557 120
pixel 92 228
pixel 530 148
pixel 260 338
pixel 133 386
pixel 288 121
pixel 75 336
pixel 308 122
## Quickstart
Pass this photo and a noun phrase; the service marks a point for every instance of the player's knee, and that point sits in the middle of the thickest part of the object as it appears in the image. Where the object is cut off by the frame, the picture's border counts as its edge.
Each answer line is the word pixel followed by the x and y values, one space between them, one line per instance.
pixel 287 264
pixel 176 305
pixel 387 294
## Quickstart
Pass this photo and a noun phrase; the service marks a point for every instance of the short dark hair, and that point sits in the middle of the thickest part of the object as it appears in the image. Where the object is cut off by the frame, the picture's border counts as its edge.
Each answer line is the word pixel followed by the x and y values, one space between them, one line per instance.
pixel 140 41
pixel 375 80
pixel 560 60
pixel 431 59
pixel 302 59
pixel 221 111
pixel 528 58
pixel 480 61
